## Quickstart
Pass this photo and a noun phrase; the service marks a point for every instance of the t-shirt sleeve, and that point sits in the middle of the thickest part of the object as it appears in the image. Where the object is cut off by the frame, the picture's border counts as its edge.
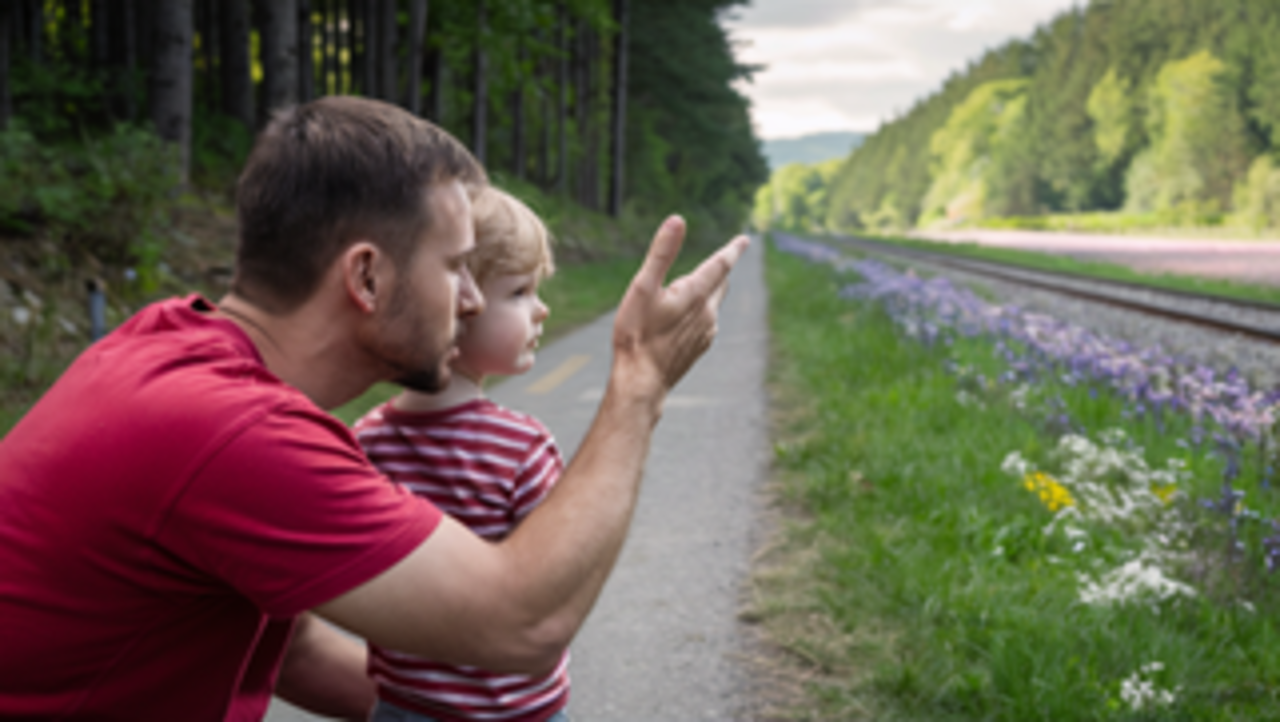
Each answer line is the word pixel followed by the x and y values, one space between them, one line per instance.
pixel 290 513
pixel 539 472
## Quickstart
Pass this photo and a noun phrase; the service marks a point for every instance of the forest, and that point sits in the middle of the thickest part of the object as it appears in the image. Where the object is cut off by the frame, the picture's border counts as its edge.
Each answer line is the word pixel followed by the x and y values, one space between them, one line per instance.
pixel 107 106
pixel 1116 114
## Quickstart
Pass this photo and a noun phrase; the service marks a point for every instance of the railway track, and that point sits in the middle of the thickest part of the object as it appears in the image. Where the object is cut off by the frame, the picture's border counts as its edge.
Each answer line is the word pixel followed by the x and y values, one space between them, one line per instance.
pixel 1253 319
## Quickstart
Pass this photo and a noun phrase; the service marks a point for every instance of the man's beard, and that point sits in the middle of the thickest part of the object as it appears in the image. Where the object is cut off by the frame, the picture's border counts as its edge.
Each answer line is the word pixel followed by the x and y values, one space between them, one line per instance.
pixel 430 376
pixel 430 381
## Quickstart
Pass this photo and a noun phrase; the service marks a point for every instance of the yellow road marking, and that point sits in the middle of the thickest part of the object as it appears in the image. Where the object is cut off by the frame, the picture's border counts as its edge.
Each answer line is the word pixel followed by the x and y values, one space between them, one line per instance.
pixel 548 383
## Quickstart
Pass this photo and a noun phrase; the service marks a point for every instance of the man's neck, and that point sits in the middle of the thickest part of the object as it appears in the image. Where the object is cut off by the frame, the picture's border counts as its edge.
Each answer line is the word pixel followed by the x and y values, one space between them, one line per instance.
pixel 305 349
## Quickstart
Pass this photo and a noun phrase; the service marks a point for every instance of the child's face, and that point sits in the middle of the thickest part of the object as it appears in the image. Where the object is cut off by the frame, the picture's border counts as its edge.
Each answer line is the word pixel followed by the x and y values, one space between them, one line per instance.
pixel 501 340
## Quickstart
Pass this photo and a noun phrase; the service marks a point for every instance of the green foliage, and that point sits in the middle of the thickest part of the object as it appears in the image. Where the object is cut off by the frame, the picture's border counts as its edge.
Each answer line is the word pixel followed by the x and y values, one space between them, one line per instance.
pixel 1110 108
pixel 795 198
pixel 681 90
pixel 964 148
pixel 100 197
pixel 1198 148
pixel 1156 106
pixel 219 147
pixel 57 101
pixel 1257 198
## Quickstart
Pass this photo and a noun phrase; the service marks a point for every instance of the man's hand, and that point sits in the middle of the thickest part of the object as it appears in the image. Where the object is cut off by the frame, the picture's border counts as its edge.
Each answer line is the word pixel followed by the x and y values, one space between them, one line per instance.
pixel 660 332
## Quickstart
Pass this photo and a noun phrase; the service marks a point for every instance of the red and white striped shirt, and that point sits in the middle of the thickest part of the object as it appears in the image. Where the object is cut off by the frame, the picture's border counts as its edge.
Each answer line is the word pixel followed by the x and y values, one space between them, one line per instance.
pixel 487 467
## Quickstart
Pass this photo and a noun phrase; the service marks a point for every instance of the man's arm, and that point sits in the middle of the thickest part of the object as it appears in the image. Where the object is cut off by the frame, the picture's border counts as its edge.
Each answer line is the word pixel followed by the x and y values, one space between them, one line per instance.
pixel 516 605
pixel 324 672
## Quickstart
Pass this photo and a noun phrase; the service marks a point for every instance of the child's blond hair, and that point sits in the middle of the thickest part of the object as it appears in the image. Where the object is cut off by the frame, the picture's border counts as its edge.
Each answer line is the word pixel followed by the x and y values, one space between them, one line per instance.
pixel 510 238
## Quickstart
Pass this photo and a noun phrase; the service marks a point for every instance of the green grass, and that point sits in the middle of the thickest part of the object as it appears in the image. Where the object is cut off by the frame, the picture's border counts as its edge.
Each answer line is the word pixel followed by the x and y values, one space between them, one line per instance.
pixel 1100 269
pixel 1189 224
pixel 902 484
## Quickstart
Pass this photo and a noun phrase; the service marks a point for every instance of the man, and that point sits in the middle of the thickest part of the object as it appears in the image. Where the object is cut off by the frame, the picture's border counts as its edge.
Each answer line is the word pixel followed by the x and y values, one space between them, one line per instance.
pixel 177 505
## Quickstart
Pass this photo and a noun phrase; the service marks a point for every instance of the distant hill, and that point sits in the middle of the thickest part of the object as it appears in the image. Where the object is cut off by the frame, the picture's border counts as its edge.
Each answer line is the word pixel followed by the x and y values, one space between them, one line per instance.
pixel 812 148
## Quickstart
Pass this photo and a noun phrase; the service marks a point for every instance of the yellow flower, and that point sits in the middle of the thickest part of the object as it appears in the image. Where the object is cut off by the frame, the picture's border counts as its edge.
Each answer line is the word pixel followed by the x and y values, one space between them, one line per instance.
pixel 1165 492
pixel 1053 495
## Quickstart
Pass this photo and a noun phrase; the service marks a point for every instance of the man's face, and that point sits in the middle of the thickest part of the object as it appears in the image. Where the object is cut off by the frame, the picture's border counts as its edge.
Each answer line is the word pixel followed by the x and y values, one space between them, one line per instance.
pixel 418 329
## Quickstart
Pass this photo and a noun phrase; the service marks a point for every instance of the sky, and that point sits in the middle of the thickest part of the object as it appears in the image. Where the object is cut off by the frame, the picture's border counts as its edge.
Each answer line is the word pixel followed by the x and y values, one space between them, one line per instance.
pixel 853 64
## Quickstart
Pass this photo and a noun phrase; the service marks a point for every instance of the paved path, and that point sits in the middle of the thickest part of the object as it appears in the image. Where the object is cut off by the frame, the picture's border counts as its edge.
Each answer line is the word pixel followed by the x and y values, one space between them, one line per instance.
pixel 1248 261
pixel 663 642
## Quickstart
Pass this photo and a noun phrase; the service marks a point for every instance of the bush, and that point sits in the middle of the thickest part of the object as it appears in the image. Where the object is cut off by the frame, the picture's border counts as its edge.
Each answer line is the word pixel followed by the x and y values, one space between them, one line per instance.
pixel 100 198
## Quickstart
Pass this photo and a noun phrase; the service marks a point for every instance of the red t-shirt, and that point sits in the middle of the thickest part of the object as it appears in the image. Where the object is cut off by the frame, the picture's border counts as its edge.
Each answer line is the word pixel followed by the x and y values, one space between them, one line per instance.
pixel 166 510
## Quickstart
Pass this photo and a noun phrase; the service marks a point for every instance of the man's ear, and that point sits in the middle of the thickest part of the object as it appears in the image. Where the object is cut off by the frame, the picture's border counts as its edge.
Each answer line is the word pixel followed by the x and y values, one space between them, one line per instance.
pixel 363 270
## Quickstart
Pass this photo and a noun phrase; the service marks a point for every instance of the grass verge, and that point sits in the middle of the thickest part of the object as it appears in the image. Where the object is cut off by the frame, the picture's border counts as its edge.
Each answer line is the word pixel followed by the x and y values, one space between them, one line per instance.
pixel 934 591
pixel 1100 269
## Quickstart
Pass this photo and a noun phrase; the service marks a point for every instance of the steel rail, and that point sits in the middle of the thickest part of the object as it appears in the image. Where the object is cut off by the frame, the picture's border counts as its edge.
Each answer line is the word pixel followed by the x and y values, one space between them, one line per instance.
pixel 985 268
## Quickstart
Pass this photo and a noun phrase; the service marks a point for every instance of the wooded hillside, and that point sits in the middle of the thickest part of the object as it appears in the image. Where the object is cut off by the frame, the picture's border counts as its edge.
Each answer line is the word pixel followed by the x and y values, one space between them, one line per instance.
pixel 1154 108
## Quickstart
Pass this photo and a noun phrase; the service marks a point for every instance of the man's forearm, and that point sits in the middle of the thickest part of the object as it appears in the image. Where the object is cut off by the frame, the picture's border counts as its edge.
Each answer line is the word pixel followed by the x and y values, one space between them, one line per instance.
pixel 567 548
pixel 324 671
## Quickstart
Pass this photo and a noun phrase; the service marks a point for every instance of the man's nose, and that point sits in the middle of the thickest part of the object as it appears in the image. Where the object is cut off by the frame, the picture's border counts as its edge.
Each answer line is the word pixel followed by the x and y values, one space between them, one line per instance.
pixel 470 300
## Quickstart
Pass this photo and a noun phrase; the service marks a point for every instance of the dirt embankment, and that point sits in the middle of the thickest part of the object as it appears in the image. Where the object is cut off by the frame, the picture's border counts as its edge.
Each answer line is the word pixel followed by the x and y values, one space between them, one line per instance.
pixel 44 296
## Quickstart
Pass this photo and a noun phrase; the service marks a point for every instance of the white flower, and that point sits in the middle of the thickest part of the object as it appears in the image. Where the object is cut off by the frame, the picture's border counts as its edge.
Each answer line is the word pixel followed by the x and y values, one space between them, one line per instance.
pixel 1015 465
pixel 1138 580
pixel 1138 691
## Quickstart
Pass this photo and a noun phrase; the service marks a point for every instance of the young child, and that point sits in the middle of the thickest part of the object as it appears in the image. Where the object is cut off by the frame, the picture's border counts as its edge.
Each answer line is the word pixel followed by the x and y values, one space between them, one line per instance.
pixel 485 465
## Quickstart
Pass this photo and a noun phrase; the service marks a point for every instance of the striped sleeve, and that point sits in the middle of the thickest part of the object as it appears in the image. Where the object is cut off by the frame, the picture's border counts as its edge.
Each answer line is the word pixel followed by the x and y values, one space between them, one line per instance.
pixel 539 471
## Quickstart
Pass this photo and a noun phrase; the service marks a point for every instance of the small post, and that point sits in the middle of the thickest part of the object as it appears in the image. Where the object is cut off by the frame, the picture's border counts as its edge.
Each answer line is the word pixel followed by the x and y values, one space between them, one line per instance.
pixel 97 308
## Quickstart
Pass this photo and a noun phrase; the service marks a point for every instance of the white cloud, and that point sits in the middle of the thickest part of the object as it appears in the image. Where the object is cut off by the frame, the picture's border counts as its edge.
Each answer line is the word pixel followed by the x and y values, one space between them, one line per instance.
pixel 852 65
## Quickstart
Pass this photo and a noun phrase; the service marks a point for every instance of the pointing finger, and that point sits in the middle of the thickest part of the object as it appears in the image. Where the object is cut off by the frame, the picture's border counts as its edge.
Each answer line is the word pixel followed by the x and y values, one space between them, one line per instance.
pixel 709 277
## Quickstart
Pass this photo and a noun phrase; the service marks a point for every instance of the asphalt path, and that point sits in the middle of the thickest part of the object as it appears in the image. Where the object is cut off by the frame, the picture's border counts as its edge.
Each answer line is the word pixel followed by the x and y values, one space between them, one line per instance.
pixel 1248 261
pixel 664 641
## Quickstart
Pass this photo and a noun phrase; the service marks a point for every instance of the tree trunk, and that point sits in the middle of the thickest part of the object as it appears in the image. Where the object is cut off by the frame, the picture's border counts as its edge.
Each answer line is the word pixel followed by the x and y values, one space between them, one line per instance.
pixel 237 78
pixel 417 36
pixel 306 53
pixel 435 93
pixel 144 17
pixel 171 77
pixel 35 16
pixel 480 99
pixel 279 55
pixel 71 31
pixel 618 134
pixel 6 102
pixel 547 113
pixel 517 115
pixel 580 105
pixel 99 37
pixel 206 26
pixel 562 103
pixel 387 37
pixel 129 91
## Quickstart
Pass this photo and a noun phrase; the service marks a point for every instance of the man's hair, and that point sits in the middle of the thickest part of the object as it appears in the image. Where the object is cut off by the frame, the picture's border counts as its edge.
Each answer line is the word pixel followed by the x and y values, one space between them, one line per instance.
pixel 510 238
pixel 326 174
